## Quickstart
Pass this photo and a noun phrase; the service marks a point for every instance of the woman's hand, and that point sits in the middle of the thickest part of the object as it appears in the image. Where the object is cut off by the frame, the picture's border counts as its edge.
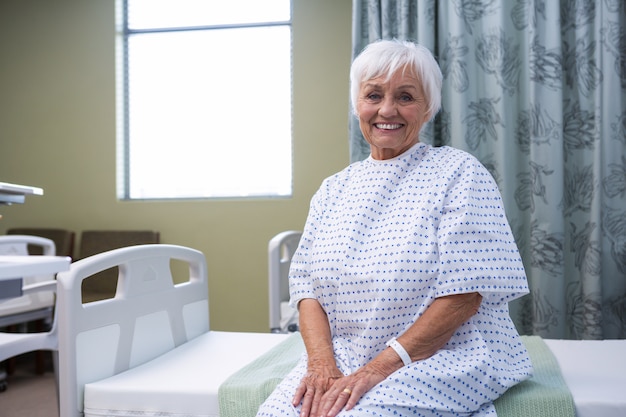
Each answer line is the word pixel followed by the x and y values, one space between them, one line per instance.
pixel 347 391
pixel 317 381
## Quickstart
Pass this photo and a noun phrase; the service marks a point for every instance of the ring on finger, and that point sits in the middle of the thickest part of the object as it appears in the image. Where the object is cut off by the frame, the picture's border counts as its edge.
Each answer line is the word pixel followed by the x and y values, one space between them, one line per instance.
pixel 347 391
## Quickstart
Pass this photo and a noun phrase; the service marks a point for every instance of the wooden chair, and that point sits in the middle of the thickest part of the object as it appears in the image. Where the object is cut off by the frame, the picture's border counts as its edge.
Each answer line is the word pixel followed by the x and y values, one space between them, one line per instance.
pixel 103 285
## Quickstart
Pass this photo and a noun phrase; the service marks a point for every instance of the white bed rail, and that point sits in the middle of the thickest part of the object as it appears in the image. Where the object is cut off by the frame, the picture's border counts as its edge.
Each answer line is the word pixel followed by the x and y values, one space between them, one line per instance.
pixel 280 250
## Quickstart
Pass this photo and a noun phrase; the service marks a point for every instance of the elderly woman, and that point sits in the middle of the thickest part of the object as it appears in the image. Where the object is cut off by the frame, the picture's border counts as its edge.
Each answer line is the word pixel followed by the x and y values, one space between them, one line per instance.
pixel 405 267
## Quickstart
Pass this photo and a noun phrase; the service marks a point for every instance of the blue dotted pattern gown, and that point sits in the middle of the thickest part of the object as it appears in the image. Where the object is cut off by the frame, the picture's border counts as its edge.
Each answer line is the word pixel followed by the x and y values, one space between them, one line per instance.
pixel 383 239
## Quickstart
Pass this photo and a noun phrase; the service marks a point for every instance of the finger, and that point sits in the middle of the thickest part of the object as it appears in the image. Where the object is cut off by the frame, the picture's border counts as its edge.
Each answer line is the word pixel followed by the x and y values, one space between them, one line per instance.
pixel 297 397
pixel 331 397
pixel 317 400
pixel 307 402
pixel 340 400
pixel 353 398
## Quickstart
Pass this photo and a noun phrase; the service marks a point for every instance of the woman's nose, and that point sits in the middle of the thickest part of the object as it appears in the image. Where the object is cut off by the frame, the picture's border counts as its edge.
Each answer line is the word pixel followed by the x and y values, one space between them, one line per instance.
pixel 387 107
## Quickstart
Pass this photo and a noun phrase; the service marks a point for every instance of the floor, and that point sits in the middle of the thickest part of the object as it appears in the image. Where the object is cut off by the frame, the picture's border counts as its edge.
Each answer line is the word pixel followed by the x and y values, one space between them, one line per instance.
pixel 29 394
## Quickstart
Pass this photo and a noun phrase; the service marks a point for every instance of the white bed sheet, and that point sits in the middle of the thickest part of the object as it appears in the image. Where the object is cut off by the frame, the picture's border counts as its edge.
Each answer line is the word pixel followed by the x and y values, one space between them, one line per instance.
pixel 182 382
pixel 595 373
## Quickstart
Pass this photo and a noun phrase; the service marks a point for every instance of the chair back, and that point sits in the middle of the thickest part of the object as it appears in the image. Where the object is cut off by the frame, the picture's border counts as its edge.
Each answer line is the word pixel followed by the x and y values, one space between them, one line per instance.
pixel 280 251
pixel 103 285
pixel 15 310
pixel 148 316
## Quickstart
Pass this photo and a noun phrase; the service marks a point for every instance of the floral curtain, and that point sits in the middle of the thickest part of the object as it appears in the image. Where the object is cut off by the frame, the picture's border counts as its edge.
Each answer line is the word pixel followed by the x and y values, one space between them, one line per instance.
pixel 536 90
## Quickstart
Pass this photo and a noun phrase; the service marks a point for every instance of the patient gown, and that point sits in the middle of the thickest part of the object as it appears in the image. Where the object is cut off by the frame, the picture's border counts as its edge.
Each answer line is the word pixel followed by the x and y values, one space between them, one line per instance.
pixel 383 239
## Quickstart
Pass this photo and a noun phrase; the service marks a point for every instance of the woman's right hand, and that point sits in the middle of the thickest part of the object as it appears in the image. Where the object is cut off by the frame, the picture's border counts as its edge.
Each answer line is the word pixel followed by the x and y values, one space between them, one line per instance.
pixel 318 379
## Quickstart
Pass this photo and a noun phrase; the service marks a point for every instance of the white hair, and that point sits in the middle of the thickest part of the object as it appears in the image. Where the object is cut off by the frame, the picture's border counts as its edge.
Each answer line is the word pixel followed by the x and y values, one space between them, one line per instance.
pixel 386 57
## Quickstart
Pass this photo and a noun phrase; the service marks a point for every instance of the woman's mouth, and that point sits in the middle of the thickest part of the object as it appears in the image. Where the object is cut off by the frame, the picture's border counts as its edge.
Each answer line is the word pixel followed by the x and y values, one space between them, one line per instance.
pixel 387 126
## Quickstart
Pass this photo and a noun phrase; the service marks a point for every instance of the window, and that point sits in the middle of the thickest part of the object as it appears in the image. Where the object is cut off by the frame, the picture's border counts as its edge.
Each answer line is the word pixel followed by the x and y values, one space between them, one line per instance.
pixel 204 99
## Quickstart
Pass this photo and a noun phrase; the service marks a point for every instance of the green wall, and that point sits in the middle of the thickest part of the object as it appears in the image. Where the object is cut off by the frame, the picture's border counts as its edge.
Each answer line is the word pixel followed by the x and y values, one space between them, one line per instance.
pixel 58 127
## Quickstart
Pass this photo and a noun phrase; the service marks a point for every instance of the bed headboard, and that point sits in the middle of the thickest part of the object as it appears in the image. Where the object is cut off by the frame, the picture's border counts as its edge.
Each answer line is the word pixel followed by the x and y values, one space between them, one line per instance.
pixel 148 316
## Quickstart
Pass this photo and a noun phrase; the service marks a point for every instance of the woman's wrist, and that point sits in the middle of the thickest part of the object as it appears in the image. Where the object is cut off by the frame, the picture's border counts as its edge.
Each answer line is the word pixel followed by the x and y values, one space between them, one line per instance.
pixel 400 351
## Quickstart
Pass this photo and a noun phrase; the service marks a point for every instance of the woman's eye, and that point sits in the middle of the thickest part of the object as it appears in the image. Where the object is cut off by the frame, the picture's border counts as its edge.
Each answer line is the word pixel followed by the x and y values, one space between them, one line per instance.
pixel 373 96
pixel 405 98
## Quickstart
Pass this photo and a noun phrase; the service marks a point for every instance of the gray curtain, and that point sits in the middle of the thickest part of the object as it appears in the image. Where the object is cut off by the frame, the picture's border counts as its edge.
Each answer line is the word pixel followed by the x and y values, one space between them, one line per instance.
pixel 536 90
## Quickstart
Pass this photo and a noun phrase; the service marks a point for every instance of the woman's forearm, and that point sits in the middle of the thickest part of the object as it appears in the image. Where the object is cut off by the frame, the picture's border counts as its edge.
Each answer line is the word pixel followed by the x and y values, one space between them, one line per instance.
pixel 430 332
pixel 315 331
pixel 438 323
pixel 322 371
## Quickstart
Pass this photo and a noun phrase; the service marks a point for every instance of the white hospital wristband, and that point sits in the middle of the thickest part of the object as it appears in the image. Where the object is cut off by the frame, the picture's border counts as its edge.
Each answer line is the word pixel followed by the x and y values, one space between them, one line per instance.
pixel 395 345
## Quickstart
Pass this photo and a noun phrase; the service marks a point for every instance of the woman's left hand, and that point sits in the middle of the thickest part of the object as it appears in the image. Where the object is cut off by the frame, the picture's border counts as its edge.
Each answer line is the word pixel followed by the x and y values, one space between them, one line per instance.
pixel 348 390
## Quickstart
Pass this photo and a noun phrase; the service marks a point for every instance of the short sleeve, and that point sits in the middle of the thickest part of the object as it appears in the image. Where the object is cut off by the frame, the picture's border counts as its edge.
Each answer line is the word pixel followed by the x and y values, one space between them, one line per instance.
pixel 300 282
pixel 476 246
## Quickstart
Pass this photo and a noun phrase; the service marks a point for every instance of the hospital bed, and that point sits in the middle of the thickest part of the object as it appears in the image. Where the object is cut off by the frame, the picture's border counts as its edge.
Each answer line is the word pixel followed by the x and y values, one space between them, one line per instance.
pixel 149 351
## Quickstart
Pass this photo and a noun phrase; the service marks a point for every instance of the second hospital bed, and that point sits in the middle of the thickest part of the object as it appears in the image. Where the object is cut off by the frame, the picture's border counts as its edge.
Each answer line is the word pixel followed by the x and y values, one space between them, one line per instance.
pixel 149 351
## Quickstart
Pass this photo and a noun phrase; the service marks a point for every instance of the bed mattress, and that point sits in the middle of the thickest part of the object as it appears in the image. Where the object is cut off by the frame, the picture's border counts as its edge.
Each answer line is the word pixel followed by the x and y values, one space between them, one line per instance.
pixel 182 382
pixel 185 381
pixel 595 373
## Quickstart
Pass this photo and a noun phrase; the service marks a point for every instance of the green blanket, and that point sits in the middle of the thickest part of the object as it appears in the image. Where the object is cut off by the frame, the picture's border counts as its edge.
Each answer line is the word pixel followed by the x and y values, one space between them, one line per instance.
pixel 544 395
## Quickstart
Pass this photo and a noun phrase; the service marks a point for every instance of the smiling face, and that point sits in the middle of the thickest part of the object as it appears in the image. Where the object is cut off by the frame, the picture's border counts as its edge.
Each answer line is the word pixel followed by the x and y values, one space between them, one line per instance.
pixel 391 113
